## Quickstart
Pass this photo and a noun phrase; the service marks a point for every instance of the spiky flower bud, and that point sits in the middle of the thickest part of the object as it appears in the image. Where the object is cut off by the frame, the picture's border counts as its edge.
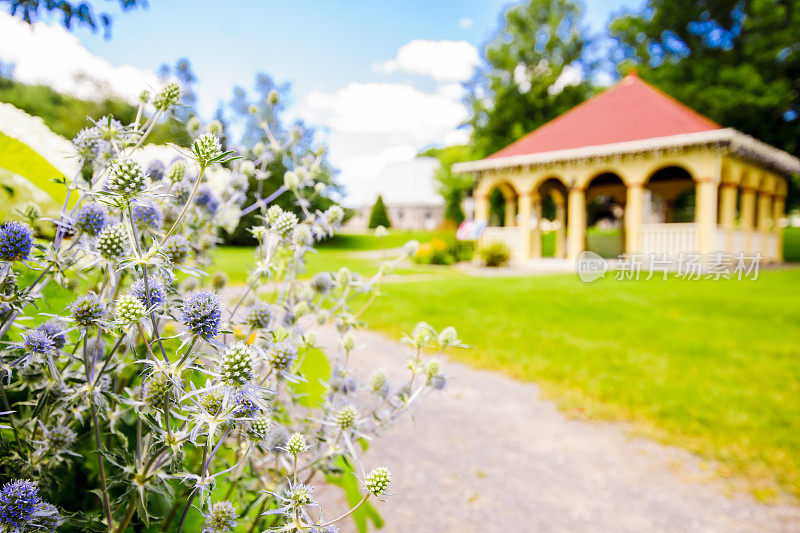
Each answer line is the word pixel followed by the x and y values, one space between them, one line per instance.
pixel 260 428
pixel 126 177
pixel 167 97
pixel 176 171
pixel 176 248
pixel 129 309
pixel 157 293
pixel 37 342
pixel 285 222
pixel 291 180
pixel 211 402
pixel 379 383
pixel 87 310
pixel 23 510
pixel 16 241
pixel 235 365
pixel 113 241
pixel 273 97
pixel 432 368
pixel 259 315
pixel 280 333
pixel 300 495
pixel 449 337
pixel 144 96
pixel 90 219
pixel 146 216
pixel 281 355
pixel 334 215
pixel 410 248
pixel 221 518
pixel 377 481
pixel 156 390
pixel 59 438
pixel 31 211
pixel 343 277
pixel 296 444
pixel 273 213
pixel 346 417
pixel 300 308
pixel 348 342
pixel 302 234
pixel 207 147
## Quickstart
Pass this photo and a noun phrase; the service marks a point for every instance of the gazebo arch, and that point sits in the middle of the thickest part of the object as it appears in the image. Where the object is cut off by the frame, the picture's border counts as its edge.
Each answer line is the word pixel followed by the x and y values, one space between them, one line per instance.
pixel 606 196
pixel 550 204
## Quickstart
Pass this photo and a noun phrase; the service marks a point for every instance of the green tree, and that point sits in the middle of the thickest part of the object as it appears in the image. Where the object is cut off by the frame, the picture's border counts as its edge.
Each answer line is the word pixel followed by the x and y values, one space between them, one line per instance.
pixel 736 62
pixel 452 187
pixel 379 216
pixel 534 69
pixel 83 13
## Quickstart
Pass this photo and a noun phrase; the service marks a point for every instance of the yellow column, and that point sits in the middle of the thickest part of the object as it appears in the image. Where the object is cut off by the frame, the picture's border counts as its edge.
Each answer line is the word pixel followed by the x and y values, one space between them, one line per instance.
pixel 778 208
pixel 561 217
pixel 482 208
pixel 748 209
pixel 511 213
pixel 634 214
pixel 525 225
pixel 763 218
pixel 576 235
pixel 536 234
pixel 727 212
pixel 706 214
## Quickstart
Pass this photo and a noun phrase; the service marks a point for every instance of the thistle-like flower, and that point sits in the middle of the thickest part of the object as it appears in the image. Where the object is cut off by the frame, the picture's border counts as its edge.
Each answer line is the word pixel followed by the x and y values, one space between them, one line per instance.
pixel 129 309
pixel 90 219
pixel 55 331
pixel 202 313
pixel 167 97
pixel 113 241
pixel 36 341
pixel 235 365
pixel 156 170
pixel 206 199
pixel 220 518
pixel 157 291
pixel 379 383
pixel 322 282
pixel 177 249
pixel 207 148
pixel 377 481
pixel 23 510
pixel 126 177
pixel 87 310
pixel 146 216
pixel 59 438
pixel 281 355
pixel 156 390
pixel 16 241
pixel 259 429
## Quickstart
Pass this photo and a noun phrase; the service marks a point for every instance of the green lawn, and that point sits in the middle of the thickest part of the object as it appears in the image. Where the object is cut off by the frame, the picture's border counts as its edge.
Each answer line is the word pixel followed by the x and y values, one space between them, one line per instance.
pixel 791 244
pixel 710 366
pixel 346 249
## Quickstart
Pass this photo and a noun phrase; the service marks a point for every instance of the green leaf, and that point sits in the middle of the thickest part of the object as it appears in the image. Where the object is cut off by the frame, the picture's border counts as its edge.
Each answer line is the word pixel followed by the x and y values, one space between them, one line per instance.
pixel 314 368
pixel 349 484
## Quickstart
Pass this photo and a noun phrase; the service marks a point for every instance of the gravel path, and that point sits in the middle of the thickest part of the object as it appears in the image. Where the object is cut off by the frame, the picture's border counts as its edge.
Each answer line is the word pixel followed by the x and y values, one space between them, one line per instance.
pixel 489 455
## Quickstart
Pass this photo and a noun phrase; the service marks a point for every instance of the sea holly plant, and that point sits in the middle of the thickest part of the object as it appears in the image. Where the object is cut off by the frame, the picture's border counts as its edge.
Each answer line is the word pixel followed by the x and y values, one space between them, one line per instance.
pixel 160 399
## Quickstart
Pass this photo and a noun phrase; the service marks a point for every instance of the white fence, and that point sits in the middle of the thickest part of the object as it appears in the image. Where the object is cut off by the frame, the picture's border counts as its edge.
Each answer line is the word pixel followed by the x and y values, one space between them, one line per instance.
pixel 672 239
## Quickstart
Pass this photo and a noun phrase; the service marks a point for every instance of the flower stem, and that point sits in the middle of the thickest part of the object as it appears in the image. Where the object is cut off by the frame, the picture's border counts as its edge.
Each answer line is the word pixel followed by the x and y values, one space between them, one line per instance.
pixel 104 488
pixel 348 513
pixel 185 206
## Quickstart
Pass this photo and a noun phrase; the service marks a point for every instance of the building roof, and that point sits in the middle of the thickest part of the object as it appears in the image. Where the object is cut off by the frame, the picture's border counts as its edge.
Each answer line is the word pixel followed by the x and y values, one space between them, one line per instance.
pixel 628 117
pixel 406 183
pixel 631 110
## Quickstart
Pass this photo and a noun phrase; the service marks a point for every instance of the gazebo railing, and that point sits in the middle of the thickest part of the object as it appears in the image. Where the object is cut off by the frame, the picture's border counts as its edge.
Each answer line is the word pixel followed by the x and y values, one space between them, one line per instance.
pixel 672 239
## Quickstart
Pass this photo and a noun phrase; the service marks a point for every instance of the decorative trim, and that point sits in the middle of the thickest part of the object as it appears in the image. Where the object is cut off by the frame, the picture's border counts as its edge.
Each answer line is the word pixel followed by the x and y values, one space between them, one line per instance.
pixel 723 140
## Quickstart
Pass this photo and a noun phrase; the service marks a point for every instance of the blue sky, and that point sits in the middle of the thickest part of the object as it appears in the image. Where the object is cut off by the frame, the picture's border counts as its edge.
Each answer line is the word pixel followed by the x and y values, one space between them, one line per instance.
pixel 314 44
pixel 381 79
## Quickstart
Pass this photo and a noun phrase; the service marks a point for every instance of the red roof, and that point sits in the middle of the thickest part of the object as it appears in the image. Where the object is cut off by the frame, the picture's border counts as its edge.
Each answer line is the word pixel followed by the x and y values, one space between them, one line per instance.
pixel 631 110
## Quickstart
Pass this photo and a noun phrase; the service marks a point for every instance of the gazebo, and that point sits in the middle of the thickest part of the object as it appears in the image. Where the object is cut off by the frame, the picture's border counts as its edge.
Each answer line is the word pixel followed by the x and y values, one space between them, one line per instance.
pixel 645 155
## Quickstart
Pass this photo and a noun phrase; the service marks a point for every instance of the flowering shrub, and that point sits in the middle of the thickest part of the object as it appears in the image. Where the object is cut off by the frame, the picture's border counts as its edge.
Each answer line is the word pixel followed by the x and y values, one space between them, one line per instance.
pixel 441 252
pixel 148 395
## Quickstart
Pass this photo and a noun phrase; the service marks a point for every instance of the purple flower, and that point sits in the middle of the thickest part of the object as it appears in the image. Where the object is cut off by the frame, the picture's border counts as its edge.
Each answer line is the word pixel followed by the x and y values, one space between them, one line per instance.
pixel 202 313
pixel 206 198
pixel 90 219
pixel 55 331
pixel 157 292
pixel 146 216
pixel 37 341
pixel 16 240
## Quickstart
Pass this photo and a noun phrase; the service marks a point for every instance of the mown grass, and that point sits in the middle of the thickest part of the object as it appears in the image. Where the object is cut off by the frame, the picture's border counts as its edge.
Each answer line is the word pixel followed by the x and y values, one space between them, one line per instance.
pixel 711 366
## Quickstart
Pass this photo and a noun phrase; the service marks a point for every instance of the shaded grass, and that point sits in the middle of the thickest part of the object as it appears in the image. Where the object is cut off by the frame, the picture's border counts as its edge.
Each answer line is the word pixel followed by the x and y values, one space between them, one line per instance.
pixel 791 244
pixel 710 366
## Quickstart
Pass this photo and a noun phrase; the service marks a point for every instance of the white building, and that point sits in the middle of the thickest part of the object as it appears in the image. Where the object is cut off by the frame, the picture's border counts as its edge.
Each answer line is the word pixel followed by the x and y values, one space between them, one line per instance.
pixel 409 190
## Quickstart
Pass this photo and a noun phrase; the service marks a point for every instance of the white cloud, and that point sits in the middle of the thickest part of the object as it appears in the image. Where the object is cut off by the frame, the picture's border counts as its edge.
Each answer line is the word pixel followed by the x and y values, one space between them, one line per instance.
pixel 373 124
pixel 49 55
pixel 569 76
pixel 446 61
pixel 465 23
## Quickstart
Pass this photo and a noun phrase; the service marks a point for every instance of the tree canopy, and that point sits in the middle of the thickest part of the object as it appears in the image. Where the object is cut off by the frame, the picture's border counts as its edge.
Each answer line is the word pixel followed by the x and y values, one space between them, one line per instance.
pixel 84 13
